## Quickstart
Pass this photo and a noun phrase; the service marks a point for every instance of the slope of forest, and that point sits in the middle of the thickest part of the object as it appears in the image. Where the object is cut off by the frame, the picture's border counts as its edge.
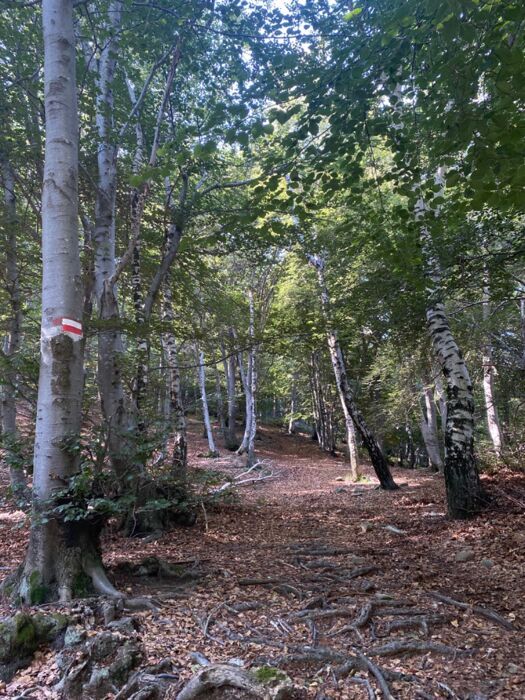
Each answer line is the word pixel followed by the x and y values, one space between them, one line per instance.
pixel 290 566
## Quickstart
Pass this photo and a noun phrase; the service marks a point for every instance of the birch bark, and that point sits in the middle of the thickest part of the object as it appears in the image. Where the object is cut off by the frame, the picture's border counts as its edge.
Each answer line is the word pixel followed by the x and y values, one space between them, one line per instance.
pixel 461 473
pixel 489 371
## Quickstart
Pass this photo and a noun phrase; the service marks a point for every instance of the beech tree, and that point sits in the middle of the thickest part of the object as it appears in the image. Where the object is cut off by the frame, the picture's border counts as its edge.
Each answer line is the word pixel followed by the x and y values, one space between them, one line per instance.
pixel 57 552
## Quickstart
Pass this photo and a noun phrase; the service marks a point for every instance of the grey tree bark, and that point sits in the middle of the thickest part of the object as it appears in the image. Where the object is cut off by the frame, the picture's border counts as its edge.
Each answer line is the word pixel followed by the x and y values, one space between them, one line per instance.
pixel 249 381
pixel 461 471
pixel 204 400
pixel 110 346
pixel 322 416
pixel 13 335
pixel 57 551
pixel 429 429
pixel 176 408
pixel 229 365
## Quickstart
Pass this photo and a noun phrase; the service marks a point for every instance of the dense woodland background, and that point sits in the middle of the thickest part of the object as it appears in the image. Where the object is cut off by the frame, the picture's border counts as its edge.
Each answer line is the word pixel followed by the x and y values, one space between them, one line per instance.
pixel 301 217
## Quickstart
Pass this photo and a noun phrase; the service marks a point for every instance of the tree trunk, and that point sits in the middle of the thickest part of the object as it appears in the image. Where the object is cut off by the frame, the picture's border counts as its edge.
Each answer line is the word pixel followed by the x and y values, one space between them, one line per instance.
pixel 205 410
pixel 252 405
pixel 58 552
pixel 461 471
pixel 177 417
pixel 249 381
pixel 246 382
pixel 229 371
pixel 488 380
pixel 350 410
pixel 110 349
pixel 429 429
pixel 322 418
pixel 219 403
pixel 293 405
pixel 12 339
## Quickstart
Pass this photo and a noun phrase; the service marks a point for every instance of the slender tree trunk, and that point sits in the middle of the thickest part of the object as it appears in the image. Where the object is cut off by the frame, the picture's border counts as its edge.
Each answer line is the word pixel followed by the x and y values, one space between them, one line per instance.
pixel 293 405
pixel 110 348
pixel 461 473
pixel 429 429
pixel 219 403
pixel 177 416
pixel 249 381
pixel 350 410
pixel 58 552
pixel 205 410
pixel 246 381
pixel 322 416
pixel 252 406
pixel 488 380
pixel 229 371
pixel 12 339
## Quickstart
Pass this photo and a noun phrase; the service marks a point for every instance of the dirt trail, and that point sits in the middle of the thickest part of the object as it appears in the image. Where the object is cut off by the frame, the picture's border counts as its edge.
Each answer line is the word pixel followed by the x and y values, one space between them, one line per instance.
pixel 309 571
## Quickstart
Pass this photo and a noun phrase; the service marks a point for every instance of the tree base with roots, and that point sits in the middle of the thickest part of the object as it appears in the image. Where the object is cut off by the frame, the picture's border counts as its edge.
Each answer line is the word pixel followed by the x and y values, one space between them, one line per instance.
pixel 63 562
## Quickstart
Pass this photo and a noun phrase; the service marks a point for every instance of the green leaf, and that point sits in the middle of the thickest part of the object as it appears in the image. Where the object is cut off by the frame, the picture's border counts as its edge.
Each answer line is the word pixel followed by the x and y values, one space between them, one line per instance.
pixel 353 13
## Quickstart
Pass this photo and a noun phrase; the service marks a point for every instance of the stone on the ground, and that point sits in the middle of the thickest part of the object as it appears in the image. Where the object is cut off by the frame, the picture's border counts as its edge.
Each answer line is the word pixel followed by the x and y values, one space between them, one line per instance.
pixel 465 555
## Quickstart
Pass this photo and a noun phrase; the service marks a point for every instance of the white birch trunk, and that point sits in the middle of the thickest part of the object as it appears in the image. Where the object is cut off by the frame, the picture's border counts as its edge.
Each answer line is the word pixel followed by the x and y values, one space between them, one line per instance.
pixel 252 406
pixel 461 473
pixel 219 403
pixel 205 410
pixel 293 405
pixel 249 382
pixel 488 379
pixel 12 339
pixel 246 381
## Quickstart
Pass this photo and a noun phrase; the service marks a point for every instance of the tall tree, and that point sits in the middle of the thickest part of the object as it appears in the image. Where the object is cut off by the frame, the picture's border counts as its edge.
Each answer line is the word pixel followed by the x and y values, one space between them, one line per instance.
pixel 58 551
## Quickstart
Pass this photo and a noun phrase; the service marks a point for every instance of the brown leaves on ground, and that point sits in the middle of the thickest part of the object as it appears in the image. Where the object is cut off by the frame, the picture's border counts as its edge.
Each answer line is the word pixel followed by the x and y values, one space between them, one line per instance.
pixel 331 581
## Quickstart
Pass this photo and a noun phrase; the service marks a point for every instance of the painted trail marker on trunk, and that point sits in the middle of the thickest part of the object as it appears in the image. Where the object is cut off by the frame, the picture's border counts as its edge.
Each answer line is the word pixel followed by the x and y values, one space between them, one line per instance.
pixel 68 326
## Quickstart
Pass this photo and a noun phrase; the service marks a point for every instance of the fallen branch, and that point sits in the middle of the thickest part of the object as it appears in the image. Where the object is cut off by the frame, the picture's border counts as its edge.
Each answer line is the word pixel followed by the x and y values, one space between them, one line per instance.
pixel 239 481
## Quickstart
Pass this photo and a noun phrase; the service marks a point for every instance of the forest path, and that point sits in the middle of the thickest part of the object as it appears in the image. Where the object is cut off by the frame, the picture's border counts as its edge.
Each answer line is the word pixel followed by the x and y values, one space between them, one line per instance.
pixel 306 569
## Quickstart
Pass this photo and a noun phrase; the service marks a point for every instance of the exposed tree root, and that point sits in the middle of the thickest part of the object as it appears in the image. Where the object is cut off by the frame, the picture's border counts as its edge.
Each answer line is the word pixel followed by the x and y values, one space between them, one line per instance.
pixel 243 684
pixel 413 646
pixel 487 613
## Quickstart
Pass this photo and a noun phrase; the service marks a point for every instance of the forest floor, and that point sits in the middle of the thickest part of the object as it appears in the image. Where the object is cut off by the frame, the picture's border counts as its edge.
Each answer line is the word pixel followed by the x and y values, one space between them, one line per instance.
pixel 305 570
